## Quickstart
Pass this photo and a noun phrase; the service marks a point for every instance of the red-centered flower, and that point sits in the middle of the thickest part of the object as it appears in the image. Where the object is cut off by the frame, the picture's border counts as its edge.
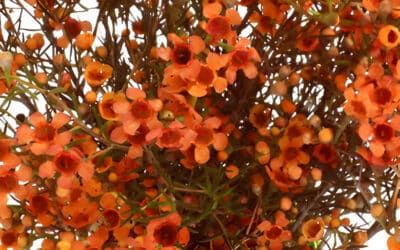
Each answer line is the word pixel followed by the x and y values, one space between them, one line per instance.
pixel 383 94
pixel 241 57
pixel 97 73
pixel 220 27
pixel 205 136
pixel 40 206
pixel 137 141
pixel 137 112
pixel 326 153
pixel 165 233
pixel 114 212
pixel 67 163
pixel 207 78
pixel 45 135
pixel 182 56
pixel 381 135
pixel 80 213
pixel 356 105
pixel 274 234
pixel 106 105
pixel 260 118
pixel 313 229
pixel 175 137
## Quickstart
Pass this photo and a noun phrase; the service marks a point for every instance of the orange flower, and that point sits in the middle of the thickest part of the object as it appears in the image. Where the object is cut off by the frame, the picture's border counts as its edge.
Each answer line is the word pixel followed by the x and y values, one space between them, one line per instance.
pixel 164 233
pixel 175 136
pixel 40 206
pixel 139 111
pixel 219 27
pixel 106 105
pixel 260 117
pixel 207 77
pixel 206 136
pixel 242 57
pixel 275 234
pixel 313 229
pixel 67 163
pixel 45 136
pixel 182 56
pixel 326 153
pixel 84 41
pixel 137 141
pixel 80 212
pixel 381 135
pixel 389 36
pixel 97 73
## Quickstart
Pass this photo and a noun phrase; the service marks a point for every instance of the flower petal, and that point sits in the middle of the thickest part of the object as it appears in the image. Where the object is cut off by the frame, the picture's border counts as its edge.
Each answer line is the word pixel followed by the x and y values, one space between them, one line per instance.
pixel 59 120
pixel 196 44
pixel 37 118
pixel 201 154
pixel 212 9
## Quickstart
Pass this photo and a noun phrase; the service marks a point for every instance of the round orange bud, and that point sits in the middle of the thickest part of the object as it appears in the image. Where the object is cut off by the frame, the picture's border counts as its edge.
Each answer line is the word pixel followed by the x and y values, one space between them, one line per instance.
pixel 275 131
pixel 90 97
pixel 351 204
pixel 112 177
pixel 102 51
pixel 19 60
pixel 41 77
pixel 59 60
pixel 231 171
pixel 345 222
pixel 286 203
pixel 31 44
pixel 377 210
pixel 294 78
pixel 222 155
pixel 325 135
pixel 334 223
pixel 84 41
pixel 359 238
pixel 316 174
pixel 39 40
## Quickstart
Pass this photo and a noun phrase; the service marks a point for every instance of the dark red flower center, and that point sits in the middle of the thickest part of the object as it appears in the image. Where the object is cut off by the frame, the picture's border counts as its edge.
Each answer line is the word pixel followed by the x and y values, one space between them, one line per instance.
pixel 111 218
pixel 392 36
pixel 382 96
pixel 204 136
pixel 274 233
pixel 166 234
pixel 325 153
pixel 45 133
pixel 218 27
pixel 181 54
pixel 39 204
pixel 383 132
pixel 290 154
pixel 9 238
pixel 141 110
pixel 206 76
pixel 358 107
pixel 139 137
pixel 8 182
pixel 66 162
pixel 72 28
pixel 240 58
pixel 170 137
